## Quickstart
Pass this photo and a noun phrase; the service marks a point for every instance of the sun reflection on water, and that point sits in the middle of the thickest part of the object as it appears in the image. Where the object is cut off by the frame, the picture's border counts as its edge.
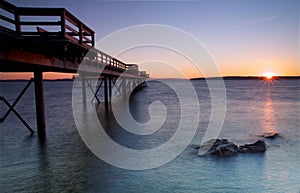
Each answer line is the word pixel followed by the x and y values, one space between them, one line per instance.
pixel 269 121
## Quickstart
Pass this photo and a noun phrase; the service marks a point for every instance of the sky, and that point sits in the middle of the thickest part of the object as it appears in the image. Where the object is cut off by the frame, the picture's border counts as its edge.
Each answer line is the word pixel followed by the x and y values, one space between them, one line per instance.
pixel 244 38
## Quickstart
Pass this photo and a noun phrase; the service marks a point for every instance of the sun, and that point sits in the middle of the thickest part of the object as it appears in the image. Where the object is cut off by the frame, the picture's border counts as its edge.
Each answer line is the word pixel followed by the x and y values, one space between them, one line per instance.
pixel 269 75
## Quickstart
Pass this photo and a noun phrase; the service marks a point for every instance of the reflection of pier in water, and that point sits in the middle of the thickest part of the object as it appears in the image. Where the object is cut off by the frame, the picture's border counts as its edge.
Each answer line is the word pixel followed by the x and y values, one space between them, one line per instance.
pixel 53 40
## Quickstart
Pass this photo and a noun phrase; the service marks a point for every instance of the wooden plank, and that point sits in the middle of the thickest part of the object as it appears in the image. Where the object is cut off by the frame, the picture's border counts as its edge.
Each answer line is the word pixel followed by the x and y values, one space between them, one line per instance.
pixel 87 39
pixel 44 23
pixel 8 7
pixel 39 33
pixel 8 30
pixel 71 38
pixel 72 30
pixel 76 21
pixel 7 19
pixel 71 19
pixel 87 31
pixel 25 11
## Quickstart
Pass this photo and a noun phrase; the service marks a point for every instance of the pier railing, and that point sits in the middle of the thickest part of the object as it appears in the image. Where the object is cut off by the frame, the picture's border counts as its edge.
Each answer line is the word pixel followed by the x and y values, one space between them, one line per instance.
pixel 45 23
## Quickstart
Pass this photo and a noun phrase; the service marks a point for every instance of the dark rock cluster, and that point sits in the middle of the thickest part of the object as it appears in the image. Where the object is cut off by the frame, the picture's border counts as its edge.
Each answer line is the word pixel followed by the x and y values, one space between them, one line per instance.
pixel 258 146
pixel 223 147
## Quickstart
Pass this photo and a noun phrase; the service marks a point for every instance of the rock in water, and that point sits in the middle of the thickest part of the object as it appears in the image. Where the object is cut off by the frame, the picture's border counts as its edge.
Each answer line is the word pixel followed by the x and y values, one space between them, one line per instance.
pixel 229 149
pixel 220 147
pixel 270 135
pixel 258 146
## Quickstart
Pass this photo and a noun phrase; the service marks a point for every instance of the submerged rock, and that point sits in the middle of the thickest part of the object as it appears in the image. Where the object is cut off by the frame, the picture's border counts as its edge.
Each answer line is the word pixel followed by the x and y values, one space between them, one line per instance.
pixel 270 135
pixel 222 147
pixel 258 146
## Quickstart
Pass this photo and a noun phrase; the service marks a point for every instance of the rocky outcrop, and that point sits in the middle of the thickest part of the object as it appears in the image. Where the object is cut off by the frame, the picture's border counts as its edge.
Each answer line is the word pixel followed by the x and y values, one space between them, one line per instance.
pixel 258 146
pixel 220 147
pixel 223 147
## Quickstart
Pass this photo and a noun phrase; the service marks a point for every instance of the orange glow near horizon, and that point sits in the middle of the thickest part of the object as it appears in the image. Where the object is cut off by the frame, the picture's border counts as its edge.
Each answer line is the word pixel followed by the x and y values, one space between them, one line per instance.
pixel 187 70
pixel 28 75
pixel 154 71
pixel 269 75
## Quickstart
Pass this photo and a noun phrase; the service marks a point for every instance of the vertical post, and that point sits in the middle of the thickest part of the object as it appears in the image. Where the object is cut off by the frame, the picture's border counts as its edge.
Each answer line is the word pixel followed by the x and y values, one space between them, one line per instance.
pixel 39 104
pixel 135 84
pixel 80 34
pixel 18 26
pixel 105 92
pixel 63 24
pixel 110 88
pixel 124 86
pixel 83 87
pixel 93 39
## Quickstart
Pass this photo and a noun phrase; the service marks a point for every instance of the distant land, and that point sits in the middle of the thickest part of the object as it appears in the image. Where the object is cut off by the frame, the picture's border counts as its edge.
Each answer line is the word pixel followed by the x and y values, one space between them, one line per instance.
pixel 248 77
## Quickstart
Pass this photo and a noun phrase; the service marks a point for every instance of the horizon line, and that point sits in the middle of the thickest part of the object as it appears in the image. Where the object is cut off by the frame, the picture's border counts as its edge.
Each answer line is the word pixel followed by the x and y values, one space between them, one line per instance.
pixel 216 77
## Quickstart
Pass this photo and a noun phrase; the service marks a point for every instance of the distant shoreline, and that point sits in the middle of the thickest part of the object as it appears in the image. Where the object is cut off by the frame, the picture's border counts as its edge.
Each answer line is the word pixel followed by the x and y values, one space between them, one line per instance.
pixel 200 78
pixel 247 77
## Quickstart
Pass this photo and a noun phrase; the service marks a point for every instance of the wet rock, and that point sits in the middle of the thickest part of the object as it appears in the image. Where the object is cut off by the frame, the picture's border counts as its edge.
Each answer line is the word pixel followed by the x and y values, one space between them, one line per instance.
pixel 219 147
pixel 258 146
pixel 270 135
pixel 229 149
pixel 223 147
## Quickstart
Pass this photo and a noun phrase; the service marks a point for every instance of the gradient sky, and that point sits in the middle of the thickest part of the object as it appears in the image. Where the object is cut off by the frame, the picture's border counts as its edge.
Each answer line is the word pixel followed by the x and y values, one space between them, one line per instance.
pixel 244 37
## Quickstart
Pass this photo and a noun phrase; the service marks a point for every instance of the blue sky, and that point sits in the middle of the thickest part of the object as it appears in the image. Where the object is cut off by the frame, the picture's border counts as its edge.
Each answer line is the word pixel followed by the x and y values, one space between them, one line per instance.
pixel 244 37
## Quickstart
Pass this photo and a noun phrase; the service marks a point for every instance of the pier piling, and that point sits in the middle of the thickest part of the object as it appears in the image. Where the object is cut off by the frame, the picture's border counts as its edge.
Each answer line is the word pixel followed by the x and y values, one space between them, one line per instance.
pixel 83 90
pixel 39 103
pixel 105 92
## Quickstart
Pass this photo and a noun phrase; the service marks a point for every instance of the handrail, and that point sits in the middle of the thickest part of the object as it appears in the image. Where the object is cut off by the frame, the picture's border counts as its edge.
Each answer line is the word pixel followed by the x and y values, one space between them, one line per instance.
pixel 8 7
pixel 85 34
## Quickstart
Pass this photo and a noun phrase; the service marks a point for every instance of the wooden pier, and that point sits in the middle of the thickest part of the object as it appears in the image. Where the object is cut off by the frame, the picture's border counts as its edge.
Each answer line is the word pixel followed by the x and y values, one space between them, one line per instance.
pixel 41 40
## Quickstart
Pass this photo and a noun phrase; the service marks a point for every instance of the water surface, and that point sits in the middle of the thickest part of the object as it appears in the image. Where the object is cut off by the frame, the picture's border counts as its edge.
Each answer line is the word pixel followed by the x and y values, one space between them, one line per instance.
pixel 64 164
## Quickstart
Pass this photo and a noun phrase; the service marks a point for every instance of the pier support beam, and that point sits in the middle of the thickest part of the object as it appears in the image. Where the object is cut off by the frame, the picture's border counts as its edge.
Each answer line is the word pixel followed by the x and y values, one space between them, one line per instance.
pixel 39 103
pixel 110 88
pixel 105 92
pixel 124 86
pixel 83 87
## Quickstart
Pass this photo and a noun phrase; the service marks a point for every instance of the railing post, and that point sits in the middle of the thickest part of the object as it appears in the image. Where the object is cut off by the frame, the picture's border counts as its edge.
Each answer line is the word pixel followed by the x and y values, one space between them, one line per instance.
pixel 80 34
pixel 17 20
pixel 63 24
pixel 101 57
pixel 93 39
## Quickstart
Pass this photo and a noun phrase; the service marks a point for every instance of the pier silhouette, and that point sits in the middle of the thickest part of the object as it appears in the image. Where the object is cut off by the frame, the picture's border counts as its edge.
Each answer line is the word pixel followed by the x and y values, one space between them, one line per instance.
pixel 42 40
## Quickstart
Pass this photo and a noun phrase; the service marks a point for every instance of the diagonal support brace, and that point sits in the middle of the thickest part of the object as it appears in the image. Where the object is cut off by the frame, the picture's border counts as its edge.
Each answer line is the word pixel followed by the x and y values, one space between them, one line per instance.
pixel 11 108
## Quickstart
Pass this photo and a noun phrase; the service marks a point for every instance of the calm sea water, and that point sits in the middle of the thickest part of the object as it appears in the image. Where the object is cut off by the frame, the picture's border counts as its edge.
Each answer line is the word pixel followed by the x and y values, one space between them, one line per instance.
pixel 64 164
